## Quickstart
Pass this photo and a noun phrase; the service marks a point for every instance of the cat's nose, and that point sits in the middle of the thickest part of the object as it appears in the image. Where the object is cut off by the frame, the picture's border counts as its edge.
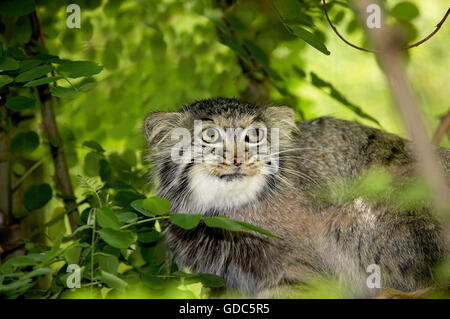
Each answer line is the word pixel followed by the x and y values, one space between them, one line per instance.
pixel 232 159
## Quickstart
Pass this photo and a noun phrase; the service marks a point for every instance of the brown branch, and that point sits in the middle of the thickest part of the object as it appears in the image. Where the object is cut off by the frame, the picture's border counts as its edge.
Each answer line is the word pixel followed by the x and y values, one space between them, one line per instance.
pixel 38 27
pixel 443 128
pixel 391 63
pixel 438 26
pixel 50 128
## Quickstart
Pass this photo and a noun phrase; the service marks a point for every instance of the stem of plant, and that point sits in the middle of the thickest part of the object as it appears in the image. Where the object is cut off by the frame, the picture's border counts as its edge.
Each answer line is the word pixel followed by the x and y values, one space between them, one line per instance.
pixel 27 173
pixel 144 221
pixel 93 248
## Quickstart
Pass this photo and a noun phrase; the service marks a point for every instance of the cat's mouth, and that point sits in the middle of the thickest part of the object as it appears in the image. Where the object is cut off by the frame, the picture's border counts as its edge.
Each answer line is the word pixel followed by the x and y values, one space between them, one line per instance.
pixel 231 177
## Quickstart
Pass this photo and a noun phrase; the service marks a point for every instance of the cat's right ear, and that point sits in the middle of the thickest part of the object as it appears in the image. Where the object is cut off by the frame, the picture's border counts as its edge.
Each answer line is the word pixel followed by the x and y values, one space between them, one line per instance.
pixel 157 125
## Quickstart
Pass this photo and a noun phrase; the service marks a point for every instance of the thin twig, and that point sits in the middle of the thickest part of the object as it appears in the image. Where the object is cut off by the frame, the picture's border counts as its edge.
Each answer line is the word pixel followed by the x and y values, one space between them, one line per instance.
pixel 438 26
pixel 144 221
pixel 50 127
pixel 26 174
pixel 391 63
pixel 442 129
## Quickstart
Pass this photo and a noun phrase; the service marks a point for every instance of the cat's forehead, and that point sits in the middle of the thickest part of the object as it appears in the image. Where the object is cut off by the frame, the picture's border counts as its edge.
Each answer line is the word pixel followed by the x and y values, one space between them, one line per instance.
pixel 226 112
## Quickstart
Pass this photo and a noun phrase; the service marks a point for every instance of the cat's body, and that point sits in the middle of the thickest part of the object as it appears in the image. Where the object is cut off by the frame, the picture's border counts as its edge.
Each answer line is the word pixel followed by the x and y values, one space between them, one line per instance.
pixel 339 240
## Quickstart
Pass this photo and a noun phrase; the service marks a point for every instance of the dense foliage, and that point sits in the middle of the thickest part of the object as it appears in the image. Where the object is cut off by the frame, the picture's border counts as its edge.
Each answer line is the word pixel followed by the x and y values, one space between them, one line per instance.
pixel 133 57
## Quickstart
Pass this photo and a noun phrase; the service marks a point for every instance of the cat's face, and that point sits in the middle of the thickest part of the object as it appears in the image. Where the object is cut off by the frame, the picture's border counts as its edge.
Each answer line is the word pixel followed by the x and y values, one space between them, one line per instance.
pixel 218 153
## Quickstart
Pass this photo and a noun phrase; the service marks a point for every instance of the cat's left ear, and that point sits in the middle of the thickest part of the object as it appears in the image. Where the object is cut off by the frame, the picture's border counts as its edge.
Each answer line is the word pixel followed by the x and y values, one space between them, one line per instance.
pixel 283 115
pixel 157 125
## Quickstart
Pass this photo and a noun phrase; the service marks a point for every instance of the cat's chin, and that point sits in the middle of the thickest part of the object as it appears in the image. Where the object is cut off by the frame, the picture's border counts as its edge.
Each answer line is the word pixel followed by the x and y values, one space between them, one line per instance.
pixel 225 191
pixel 232 177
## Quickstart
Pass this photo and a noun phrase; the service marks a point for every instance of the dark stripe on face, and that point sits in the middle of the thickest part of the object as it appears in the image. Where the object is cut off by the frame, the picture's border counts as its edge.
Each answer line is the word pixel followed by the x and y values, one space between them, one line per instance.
pixel 181 188
pixel 165 173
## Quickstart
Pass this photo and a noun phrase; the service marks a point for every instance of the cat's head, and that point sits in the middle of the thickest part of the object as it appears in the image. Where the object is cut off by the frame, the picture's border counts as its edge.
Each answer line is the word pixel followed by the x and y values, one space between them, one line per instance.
pixel 221 153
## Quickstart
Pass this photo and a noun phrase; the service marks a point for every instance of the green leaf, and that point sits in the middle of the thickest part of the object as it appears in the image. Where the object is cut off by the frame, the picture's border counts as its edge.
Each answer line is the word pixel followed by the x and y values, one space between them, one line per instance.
pixel 16 8
pixel 64 93
pixel 22 261
pixel 39 272
pixel 36 196
pixel 107 219
pixel 28 64
pixel 24 142
pixel 155 254
pixel 309 38
pixel 105 170
pixel 117 239
pixel 16 285
pixel 72 254
pixel 82 228
pixel 299 71
pixel 94 145
pixel 112 280
pixel 153 281
pixel 55 250
pixel 107 262
pixel 85 87
pixel 296 17
pixel 43 81
pixel 48 58
pixel 5 79
pixel 405 11
pixel 186 221
pixel 118 163
pixel 211 280
pixel 148 235
pixel 251 227
pixel 124 198
pixel 339 17
pixel 91 164
pixel 34 73
pixel 320 83
pixel 19 103
pixel 137 205
pixel 222 222
pixel 156 205
pixel 18 168
pixel 129 156
pixel 127 217
pixel 9 64
pixel 293 12
pixel 76 69
pixel 17 53
pixel 22 31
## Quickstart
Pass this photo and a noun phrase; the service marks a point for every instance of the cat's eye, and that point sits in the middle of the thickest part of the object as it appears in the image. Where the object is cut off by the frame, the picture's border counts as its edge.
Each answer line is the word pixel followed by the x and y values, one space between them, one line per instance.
pixel 254 135
pixel 211 135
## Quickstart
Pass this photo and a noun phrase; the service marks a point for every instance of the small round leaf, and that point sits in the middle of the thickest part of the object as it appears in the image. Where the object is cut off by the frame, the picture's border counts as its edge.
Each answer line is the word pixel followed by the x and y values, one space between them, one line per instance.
pixel 156 205
pixel 186 221
pixel 36 196
pixel 24 142
pixel 19 103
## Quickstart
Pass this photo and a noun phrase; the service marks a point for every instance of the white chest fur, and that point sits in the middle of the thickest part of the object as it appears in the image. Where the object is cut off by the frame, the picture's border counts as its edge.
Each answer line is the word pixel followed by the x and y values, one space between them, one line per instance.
pixel 212 192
